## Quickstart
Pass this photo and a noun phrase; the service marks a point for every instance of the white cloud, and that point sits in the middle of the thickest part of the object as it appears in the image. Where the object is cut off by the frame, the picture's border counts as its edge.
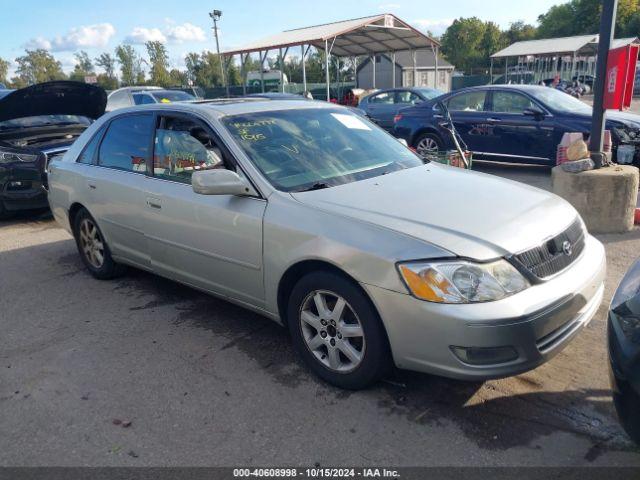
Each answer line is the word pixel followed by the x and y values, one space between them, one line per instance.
pixel 172 33
pixel 437 27
pixel 37 43
pixel 389 6
pixel 87 36
pixel 141 35
pixel 187 32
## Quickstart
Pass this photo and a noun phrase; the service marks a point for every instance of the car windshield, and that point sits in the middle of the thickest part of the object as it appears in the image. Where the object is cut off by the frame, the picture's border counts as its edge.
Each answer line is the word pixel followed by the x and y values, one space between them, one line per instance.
pixel 309 149
pixel 560 101
pixel 44 121
pixel 429 93
pixel 168 96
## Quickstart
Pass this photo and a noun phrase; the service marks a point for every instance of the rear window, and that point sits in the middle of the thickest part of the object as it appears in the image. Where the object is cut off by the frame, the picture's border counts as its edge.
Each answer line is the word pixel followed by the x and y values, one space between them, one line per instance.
pixel 172 96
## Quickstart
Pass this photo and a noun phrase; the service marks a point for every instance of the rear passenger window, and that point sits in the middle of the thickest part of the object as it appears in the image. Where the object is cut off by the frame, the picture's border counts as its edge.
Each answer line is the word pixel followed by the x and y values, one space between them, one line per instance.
pixel 467 102
pixel 88 155
pixel 126 143
pixel 386 97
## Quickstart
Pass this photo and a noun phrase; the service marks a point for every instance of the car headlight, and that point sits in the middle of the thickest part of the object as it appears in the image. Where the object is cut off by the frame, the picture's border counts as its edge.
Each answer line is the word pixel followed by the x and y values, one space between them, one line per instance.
pixel 461 281
pixel 13 157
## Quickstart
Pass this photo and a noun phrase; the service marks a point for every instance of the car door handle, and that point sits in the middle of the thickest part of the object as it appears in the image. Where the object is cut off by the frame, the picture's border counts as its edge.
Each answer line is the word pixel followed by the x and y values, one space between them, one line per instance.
pixel 154 203
pixel 492 119
pixel 91 184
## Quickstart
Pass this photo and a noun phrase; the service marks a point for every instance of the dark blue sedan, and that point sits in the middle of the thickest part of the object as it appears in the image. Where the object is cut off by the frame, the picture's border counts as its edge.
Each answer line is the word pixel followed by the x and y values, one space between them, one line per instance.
pixel 383 105
pixel 509 123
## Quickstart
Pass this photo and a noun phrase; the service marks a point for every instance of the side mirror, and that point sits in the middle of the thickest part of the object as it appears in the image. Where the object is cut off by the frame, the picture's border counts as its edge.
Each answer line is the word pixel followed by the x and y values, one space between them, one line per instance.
pixel 534 112
pixel 403 142
pixel 220 182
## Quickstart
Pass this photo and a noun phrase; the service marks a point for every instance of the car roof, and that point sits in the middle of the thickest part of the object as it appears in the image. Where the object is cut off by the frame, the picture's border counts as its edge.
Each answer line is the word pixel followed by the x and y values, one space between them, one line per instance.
pixel 233 106
pixel 524 88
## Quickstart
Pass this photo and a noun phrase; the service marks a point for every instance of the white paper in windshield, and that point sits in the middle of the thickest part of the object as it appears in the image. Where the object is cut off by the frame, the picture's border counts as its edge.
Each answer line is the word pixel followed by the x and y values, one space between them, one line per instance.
pixel 350 121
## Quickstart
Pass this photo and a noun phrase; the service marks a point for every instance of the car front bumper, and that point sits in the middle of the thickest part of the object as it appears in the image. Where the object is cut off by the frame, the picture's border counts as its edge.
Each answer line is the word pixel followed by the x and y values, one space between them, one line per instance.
pixel 21 187
pixel 535 324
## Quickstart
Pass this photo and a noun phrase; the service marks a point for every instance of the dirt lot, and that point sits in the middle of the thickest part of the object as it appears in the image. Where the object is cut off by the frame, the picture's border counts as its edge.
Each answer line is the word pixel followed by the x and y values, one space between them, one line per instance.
pixel 207 383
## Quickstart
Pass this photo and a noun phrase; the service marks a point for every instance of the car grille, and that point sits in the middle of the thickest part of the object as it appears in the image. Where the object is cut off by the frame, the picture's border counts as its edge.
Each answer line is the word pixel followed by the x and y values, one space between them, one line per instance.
pixel 550 258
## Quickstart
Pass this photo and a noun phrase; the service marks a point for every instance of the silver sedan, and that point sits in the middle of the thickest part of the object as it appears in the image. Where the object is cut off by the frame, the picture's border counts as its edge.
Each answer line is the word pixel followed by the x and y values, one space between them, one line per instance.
pixel 318 219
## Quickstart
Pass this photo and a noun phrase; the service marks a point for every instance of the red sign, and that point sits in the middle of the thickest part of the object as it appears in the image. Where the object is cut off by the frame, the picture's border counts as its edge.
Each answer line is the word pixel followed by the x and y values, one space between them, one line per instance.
pixel 621 71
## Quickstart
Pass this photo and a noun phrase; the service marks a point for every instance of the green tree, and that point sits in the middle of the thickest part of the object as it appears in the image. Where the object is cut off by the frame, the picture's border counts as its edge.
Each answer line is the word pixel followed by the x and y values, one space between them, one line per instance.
pixel 464 43
pixel 159 63
pixel 107 62
pixel 178 78
pixel 37 66
pixel 582 17
pixel 83 67
pixel 130 64
pixel 519 31
pixel 4 70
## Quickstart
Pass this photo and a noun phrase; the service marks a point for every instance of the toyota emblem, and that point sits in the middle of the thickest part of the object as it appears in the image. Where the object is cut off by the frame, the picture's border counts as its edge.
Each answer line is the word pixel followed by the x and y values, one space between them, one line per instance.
pixel 567 248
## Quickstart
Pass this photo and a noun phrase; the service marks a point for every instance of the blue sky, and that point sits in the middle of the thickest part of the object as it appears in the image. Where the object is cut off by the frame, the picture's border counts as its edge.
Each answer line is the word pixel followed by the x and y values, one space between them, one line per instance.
pixel 65 26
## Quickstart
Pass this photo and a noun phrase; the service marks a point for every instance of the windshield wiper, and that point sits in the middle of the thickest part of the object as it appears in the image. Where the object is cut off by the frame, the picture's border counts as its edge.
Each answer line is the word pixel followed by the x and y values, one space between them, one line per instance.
pixel 315 186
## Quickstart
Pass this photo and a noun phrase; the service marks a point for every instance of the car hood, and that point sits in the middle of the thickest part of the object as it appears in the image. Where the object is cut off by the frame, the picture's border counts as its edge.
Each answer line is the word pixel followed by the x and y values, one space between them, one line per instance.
pixel 467 213
pixel 630 120
pixel 54 98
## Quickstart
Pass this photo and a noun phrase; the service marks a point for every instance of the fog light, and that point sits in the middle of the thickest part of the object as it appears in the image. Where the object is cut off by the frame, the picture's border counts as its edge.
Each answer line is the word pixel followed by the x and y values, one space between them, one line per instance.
pixel 485 356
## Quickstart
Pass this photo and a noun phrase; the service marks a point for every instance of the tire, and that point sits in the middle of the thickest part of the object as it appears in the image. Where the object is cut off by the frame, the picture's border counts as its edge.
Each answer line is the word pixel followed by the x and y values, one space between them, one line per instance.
pixel 426 139
pixel 93 248
pixel 627 403
pixel 4 214
pixel 349 350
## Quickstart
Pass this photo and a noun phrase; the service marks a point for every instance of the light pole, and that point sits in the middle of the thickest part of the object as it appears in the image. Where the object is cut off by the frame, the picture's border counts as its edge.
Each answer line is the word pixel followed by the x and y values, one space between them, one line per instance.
pixel 215 16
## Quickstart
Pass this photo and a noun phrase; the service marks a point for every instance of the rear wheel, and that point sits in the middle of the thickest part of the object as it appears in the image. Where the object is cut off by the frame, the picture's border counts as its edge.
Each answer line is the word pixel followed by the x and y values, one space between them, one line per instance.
pixel 337 331
pixel 93 248
pixel 428 144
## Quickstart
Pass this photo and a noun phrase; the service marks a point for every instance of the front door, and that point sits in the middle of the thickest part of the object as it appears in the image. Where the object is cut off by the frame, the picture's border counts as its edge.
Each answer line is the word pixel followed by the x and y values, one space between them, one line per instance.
pixel 212 242
pixel 514 134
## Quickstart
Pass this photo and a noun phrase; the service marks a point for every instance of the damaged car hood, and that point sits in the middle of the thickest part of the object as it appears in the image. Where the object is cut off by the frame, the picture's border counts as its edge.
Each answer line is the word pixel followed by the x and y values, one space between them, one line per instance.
pixel 470 214
pixel 54 98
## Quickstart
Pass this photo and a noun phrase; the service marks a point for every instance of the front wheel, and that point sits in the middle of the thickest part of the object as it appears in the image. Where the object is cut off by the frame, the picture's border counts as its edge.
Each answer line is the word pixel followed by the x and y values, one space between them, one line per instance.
pixel 93 248
pixel 428 144
pixel 337 331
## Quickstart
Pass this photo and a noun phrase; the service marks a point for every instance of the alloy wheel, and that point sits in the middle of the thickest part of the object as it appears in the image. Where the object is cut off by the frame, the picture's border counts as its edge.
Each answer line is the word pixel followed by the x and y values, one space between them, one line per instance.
pixel 427 146
pixel 91 243
pixel 332 331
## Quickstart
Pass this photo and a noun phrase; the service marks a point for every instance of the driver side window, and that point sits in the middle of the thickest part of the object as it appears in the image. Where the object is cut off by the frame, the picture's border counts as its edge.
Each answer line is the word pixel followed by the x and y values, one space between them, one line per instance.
pixel 181 147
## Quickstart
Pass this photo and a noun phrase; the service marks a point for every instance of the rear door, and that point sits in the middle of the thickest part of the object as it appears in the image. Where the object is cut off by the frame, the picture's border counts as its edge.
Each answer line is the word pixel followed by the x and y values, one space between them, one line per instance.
pixel 469 114
pixel 381 108
pixel 117 185
pixel 512 133
pixel 213 242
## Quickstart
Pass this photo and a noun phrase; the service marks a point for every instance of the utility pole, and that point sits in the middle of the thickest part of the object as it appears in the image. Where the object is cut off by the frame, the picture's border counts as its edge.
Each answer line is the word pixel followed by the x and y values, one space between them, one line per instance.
pixel 598 122
pixel 215 16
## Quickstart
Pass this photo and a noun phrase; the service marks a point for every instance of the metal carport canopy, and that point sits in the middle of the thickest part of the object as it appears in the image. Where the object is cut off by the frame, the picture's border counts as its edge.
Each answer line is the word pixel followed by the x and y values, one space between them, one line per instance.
pixel 383 33
pixel 361 36
pixel 547 46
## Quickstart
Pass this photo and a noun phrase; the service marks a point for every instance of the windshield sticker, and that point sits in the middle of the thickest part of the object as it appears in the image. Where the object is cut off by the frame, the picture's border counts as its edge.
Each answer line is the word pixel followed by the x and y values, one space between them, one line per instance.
pixel 350 121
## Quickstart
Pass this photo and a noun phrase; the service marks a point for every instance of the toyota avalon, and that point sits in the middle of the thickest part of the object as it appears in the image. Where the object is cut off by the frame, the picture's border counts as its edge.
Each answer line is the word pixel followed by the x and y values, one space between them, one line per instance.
pixel 320 220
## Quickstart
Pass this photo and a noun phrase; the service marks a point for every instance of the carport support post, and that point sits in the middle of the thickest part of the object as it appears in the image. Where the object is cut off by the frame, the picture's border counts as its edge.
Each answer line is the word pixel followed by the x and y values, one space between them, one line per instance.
pixel 304 71
pixel 373 62
pixel 326 68
pixel 243 61
pixel 262 69
pixel 491 71
pixel 506 69
pixel 607 25
pixel 415 68
pixel 435 55
pixel 281 71
pixel 393 69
